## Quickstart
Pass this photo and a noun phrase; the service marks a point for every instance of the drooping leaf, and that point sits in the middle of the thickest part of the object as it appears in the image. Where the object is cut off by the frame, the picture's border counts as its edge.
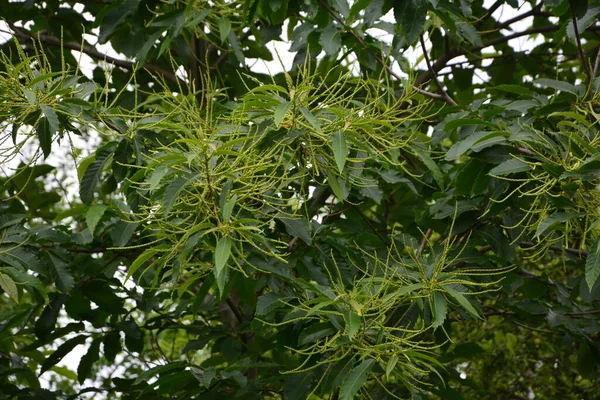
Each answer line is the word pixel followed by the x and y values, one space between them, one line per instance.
pixel 139 261
pixel 331 40
pixel 439 308
pixel 353 322
pixel 44 134
pixel 8 285
pixel 508 167
pixel 298 228
pixel 462 300
pixel 62 351
pixel 172 192
pixel 91 176
pixel 222 253
pixel 269 302
pixel 340 150
pixel 111 345
pixel 431 165
pixel 224 28
pixel 63 278
pixel 93 216
pixel 410 14
pixel 355 379
pixel 87 361
pixel 592 264
pixel 553 220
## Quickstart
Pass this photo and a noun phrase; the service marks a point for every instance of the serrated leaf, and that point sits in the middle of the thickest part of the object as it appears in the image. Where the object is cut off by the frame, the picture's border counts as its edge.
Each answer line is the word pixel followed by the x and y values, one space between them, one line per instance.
pixel 63 278
pixel 355 379
pixel 508 167
pixel 353 322
pixel 431 165
pixel 592 264
pixel 340 149
pixel 93 216
pixel 160 369
pixel 269 302
pixel 91 176
pixel 62 351
pixel 460 148
pixel 9 286
pixel 439 308
pixel 172 192
pixel 331 40
pixel 411 18
pixel 139 261
pixel 462 300
pixel 222 253
pixel 122 232
pixel 298 228
pixel 280 112
pixel 30 96
pixel 87 361
pixel 372 192
pixel 47 320
pixel 50 114
pixel 27 279
pixel 553 220
pixel 224 28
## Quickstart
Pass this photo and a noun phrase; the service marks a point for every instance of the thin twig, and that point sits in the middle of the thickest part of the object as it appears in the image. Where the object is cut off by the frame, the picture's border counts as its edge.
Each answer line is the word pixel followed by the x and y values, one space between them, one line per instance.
pixel 586 66
pixel 532 328
pixel 93 53
pixel 426 237
pixel 371 226
pixel 595 71
pixel 576 252
pixel 380 60
pixel 445 94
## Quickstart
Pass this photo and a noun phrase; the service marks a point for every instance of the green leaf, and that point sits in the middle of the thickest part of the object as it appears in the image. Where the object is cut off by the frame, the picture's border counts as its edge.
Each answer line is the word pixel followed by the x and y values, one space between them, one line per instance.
pixel 558 85
pixel 160 369
pixel 353 322
pixel 62 351
pixel 224 28
pixel 462 300
pixel 340 150
pixel 88 360
pixel 355 379
pixel 91 176
pixel 410 15
pixel 508 167
pixel 122 232
pixel 63 278
pixel 460 148
pixel 8 285
pixel 298 228
pixel 555 219
pixel 373 192
pixel 228 207
pixel 431 165
pixel 24 278
pixel 314 332
pixel 457 123
pixel 280 112
pixel 50 114
pixel 269 302
pixel 134 336
pixel 439 308
pixel 111 345
pixel 44 133
pixel 47 320
pixel 172 192
pixel 93 216
pixel 331 40
pixel 139 261
pixel 338 186
pixel 312 120
pixel 592 264
pixel 222 253
pixel 236 47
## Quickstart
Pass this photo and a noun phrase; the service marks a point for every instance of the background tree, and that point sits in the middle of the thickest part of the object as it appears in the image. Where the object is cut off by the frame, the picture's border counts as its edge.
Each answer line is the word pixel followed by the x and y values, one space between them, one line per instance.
pixel 355 226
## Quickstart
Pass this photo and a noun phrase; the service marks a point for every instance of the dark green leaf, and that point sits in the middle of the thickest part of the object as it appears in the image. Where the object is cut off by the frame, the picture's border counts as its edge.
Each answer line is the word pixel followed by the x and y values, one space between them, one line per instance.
pixel 87 361
pixel 411 16
pixel 298 228
pixel 62 351
pixel 355 379
pixel 91 176
pixel 111 345
pixel 592 264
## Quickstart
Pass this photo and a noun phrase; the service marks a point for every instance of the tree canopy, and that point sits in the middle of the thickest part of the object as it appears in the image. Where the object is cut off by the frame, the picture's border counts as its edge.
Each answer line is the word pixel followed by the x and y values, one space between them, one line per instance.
pixel 409 209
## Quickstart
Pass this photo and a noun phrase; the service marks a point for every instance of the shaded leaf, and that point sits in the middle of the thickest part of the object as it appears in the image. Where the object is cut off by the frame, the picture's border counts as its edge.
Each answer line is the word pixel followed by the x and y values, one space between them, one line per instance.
pixel 62 351
pixel 355 379
pixel 91 176
pixel 298 228
pixel 592 264
pixel 340 150
pixel 8 285
pixel 88 360
pixel 93 216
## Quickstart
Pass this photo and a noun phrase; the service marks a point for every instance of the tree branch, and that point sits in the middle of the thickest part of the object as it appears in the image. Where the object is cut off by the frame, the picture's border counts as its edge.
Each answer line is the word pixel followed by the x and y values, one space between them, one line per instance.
pixel 586 66
pixel 444 94
pixel 380 60
pixel 44 38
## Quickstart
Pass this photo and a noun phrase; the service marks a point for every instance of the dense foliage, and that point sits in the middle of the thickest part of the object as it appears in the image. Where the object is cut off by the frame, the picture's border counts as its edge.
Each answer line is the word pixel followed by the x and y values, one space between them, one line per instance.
pixel 410 211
